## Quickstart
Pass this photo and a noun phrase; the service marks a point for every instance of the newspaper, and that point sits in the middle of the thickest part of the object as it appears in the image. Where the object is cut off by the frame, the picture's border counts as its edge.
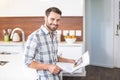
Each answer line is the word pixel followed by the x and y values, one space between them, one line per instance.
pixel 70 68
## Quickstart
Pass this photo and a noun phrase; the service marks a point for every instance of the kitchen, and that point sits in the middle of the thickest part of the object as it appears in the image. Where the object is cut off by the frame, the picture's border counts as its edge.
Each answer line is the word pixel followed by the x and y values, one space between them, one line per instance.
pixel 22 21
pixel 13 12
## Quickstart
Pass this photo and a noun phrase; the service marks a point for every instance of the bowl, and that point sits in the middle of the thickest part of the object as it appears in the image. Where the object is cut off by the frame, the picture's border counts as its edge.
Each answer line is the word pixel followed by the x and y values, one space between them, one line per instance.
pixel 70 40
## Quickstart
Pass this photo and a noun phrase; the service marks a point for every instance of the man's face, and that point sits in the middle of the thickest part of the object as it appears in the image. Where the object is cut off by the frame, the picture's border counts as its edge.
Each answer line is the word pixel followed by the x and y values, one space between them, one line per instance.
pixel 52 21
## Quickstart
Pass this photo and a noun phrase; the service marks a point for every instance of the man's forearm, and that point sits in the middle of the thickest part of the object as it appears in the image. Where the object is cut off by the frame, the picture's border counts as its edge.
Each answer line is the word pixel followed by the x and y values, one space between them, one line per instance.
pixel 39 66
pixel 50 67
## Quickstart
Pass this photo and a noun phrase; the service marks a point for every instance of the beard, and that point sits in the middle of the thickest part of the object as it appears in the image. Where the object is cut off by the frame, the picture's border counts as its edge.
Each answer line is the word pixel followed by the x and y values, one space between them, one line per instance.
pixel 52 27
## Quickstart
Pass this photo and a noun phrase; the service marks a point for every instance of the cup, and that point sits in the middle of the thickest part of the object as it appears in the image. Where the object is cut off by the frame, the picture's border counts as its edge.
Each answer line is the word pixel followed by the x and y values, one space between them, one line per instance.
pixel 6 38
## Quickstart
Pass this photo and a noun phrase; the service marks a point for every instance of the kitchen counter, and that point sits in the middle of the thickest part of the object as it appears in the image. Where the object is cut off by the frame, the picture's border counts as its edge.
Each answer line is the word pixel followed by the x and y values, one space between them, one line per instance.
pixel 20 43
pixel 10 43
pixel 15 69
pixel 79 43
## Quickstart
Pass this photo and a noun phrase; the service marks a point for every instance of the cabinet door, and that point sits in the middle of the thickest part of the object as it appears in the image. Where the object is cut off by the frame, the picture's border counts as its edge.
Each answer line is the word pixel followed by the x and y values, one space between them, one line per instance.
pixel 11 49
pixel 73 52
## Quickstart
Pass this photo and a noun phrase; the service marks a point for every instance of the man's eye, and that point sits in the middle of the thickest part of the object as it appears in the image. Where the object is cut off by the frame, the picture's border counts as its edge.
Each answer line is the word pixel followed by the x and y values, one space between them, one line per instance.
pixel 58 20
pixel 52 19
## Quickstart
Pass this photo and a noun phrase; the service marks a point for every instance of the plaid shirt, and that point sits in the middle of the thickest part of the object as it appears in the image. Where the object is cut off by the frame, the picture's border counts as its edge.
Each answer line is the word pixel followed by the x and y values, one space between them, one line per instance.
pixel 41 48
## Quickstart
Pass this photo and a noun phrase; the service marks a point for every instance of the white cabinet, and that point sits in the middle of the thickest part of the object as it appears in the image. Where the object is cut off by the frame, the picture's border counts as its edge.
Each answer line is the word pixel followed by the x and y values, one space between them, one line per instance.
pixel 11 47
pixel 73 51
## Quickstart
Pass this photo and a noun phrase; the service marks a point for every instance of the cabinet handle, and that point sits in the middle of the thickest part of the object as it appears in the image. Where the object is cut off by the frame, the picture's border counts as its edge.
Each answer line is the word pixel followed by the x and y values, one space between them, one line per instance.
pixel 117 31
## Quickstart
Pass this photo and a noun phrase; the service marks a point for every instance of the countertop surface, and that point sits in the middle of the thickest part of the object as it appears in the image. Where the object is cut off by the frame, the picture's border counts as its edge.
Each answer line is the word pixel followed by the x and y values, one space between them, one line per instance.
pixel 10 43
pixel 2 43
pixel 15 68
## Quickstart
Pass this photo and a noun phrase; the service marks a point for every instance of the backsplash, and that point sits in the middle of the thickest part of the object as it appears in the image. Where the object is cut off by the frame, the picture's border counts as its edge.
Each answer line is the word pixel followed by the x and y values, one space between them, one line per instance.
pixel 30 24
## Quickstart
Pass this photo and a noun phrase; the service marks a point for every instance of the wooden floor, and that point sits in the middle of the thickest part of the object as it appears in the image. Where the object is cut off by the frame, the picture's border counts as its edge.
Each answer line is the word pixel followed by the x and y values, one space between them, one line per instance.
pixel 98 73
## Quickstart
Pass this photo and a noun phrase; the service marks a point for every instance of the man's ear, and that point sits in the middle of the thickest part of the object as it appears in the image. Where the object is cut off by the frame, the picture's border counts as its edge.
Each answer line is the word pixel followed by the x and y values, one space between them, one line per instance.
pixel 45 17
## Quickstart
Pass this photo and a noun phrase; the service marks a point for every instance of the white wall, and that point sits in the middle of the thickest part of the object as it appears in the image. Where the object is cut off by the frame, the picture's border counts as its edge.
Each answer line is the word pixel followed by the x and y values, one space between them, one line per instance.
pixel 37 7
pixel 99 32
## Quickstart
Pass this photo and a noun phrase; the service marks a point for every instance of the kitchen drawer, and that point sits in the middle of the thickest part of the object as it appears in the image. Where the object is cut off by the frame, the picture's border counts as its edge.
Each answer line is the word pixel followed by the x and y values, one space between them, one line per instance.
pixel 11 48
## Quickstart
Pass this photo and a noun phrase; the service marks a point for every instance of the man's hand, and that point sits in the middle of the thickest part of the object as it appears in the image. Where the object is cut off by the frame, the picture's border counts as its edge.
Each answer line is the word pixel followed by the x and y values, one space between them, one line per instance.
pixel 71 61
pixel 54 69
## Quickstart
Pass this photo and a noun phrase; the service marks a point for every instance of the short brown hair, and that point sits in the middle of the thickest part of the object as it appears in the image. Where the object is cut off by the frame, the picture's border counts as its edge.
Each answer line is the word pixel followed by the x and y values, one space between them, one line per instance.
pixel 53 9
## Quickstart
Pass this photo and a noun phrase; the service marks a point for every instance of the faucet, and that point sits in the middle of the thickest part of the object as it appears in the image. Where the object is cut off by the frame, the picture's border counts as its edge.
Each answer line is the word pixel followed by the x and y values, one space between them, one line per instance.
pixel 23 37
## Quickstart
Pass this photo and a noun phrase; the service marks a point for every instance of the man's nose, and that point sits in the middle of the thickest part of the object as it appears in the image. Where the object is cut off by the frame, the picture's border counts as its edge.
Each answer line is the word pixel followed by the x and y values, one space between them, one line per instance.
pixel 55 22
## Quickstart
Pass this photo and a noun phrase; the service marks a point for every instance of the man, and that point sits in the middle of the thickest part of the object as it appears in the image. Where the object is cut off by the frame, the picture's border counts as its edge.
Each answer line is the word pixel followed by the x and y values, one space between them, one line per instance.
pixel 42 47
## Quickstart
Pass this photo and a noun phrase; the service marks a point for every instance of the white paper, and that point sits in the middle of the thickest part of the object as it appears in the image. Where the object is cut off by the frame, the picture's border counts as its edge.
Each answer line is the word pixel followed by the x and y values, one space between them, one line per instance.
pixel 69 67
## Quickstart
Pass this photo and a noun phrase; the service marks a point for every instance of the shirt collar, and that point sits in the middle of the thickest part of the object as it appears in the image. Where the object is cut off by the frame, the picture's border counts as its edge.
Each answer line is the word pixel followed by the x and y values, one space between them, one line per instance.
pixel 46 31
